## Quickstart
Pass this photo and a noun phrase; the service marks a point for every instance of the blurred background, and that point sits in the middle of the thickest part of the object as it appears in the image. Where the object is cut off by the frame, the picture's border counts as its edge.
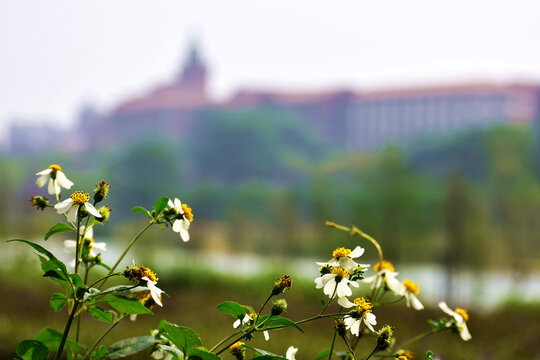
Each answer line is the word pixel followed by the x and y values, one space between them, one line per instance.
pixel 417 122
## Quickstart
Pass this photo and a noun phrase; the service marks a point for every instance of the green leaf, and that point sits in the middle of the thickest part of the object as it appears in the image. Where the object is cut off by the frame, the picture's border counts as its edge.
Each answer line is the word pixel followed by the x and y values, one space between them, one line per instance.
pixel 280 321
pixel 161 204
pixel 100 354
pixel 125 305
pixel 100 314
pixel 183 337
pixel 323 355
pixel 58 301
pixel 32 350
pixel 232 308
pixel 171 350
pixel 263 354
pixel 60 227
pixel 200 353
pixel 130 346
pixel 51 338
pixel 52 264
pixel 104 265
pixel 140 209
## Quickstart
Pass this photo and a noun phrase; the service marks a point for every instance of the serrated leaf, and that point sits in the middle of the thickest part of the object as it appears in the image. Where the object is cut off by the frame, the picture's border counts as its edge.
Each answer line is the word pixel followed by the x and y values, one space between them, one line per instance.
pixel 60 227
pixel 200 353
pixel 183 337
pixel 280 321
pixel 140 209
pixel 52 263
pixel 125 305
pixel 51 338
pixel 130 346
pixel 58 301
pixel 232 308
pixel 32 350
pixel 160 204
pixel 100 354
pixel 100 314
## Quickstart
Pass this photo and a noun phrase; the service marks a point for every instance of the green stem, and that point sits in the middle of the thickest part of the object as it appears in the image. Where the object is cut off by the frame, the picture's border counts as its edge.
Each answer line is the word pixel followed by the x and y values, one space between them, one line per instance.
pixel 78 244
pixel 329 301
pixel 103 278
pixel 223 340
pixel 420 337
pixel 332 345
pixel 349 347
pixel 373 352
pixel 235 341
pixel 126 251
pixel 66 331
pixel 113 325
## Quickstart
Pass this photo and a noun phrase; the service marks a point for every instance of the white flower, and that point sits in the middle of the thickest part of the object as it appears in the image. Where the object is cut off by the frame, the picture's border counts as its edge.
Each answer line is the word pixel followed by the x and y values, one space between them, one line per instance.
pixel 411 290
pixel 460 317
pixel 344 258
pixel 335 282
pixel 181 225
pixel 71 245
pixel 246 320
pixel 291 352
pixel 55 178
pixel 362 314
pixel 386 277
pixel 154 290
pixel 72 204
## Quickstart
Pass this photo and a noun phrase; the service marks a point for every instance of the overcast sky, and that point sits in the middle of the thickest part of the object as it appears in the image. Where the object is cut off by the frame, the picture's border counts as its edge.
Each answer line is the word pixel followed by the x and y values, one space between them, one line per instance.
pixel 56 55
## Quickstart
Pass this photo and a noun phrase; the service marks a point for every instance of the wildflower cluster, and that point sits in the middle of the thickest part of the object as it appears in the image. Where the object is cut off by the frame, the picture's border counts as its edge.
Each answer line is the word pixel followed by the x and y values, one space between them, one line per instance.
pixel 341 278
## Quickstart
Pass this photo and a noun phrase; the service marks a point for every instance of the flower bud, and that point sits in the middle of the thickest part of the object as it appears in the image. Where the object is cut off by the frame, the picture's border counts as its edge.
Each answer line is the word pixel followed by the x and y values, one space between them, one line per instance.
pixel 404 355
pixel 105 212
pixel 238 350
pixel 281 285
pixel 39 202
pixel 340 327
pixel 278 307
pixel 386 337
pixel 101 191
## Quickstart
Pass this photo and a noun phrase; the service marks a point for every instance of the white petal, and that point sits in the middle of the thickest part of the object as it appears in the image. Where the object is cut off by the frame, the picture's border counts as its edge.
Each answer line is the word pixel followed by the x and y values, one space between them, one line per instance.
pixel 133 317
pixel 319 282
pixel 72 213
pixel 170 203
pixel 343 289
pixel 348 264
pixel 416 304
pixel 52 188
pixel 464 332
pixel 358 251
pixel 44 172
pixel 236 324
pixel 63 206
pixel 178 205
pixel 349 321
pixel 266 335
pixel 92 210
pixel 370 321
pixel 330 286
pixel 63 181
pixel 344 302
pixel 369 279
pixel 355 328
pixel 446 309
pixel 154 290
pixel 89 233
pixel 177 225
pixel 291 352
pixel 323 263
pixel 184 234
pixel 42 180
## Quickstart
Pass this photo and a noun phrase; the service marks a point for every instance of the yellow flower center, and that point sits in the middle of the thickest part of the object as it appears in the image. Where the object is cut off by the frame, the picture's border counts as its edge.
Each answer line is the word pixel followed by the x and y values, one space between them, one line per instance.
pixel 339 272
pixel 80 197
pixel 364 305
pixel 402 357
pixel 411 286
pixel 341 252
pixel 235 348
pixel 55 167
pixel 463 314
pixel 188 214
pixel 148 273
pixel 384 265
